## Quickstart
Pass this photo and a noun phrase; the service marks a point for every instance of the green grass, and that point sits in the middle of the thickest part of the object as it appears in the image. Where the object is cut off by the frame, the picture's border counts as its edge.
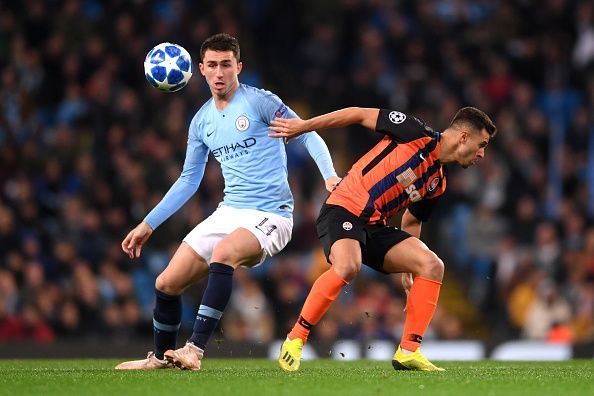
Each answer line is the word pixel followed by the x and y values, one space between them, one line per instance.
pixel 245 377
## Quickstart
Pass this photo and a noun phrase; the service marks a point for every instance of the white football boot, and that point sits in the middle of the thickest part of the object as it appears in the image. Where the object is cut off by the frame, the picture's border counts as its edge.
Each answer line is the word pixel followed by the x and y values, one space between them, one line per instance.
pixel 150 363
pixel 187 358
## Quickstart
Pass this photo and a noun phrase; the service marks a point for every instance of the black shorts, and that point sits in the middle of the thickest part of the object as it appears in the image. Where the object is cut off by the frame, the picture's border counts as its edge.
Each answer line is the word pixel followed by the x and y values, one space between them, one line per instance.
pixel 335 223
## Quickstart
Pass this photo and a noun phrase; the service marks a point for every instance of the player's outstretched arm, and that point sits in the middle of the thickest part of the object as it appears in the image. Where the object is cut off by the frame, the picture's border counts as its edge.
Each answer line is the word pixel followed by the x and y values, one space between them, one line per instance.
pixel 291 127
pixel 132 244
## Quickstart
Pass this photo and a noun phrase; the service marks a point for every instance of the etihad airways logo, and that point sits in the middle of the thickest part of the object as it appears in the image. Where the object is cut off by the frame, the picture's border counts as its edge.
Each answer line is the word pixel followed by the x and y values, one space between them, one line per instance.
pixel 233 150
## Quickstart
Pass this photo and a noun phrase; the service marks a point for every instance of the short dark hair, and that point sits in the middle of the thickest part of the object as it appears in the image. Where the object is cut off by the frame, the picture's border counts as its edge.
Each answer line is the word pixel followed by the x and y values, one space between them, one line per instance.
pixel 220 42
pixel 475 118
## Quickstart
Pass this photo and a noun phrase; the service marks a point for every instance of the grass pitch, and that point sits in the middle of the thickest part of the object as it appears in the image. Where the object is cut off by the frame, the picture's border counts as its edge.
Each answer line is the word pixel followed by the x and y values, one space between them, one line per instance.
pixel 245 377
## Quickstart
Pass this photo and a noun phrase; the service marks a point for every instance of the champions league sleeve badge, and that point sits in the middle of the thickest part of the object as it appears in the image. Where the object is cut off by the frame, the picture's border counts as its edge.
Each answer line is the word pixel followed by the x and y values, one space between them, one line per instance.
pixel 397 117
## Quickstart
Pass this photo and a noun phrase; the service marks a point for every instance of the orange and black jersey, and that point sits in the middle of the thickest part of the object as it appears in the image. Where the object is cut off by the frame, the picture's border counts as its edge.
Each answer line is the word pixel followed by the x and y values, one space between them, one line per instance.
pixel 402 170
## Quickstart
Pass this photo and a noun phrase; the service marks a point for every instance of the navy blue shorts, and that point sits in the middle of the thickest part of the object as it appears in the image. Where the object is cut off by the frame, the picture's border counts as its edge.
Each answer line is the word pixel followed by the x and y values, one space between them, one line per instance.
pixel 335 223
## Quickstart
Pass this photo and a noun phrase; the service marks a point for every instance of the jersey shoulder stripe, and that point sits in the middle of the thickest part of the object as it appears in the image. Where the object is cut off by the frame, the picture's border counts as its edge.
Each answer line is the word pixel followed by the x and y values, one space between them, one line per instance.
pixel 383 154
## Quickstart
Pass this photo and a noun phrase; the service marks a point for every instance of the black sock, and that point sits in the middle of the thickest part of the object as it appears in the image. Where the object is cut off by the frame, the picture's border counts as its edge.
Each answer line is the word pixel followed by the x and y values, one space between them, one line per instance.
pixel 166 322
pixel 215 299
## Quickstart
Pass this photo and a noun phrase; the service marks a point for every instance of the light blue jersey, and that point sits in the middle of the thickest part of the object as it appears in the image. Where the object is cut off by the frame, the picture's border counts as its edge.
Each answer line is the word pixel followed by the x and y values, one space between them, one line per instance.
pixel 254 165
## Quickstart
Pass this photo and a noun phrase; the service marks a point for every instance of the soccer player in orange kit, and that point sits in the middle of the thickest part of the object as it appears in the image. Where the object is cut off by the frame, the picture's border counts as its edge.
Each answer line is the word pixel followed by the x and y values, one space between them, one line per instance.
pixel 404 170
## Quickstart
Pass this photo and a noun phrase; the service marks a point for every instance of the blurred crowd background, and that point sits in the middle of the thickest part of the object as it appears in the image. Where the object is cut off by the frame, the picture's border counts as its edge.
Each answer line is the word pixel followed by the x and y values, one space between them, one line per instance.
pixel 88 147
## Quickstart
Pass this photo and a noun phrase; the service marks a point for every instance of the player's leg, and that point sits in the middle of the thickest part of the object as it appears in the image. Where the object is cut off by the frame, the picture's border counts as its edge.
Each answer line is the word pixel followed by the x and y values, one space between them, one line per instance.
pixel 248 237
pixel 413 256
pixel 240 247
pixel 341 234
pixel 345 257
pixel 185 268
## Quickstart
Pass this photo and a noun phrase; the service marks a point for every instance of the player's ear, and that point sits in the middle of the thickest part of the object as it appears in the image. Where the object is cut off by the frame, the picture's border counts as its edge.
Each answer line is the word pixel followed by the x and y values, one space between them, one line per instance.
pixel 239 67
pixel 201 67
pixel 463 136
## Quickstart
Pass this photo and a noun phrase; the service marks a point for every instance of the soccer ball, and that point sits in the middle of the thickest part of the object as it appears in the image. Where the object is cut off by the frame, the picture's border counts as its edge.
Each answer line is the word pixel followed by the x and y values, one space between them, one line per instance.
pixel 168 67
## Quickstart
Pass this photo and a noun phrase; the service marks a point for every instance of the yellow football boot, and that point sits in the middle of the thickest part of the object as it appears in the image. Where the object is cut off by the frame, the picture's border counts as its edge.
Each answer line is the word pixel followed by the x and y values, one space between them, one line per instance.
pixel 413 361
pixel 290 354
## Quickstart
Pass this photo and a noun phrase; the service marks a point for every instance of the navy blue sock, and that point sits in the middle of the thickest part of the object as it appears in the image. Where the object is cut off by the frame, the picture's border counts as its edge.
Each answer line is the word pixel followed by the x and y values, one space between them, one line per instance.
pixel 215 299
pixel 166 322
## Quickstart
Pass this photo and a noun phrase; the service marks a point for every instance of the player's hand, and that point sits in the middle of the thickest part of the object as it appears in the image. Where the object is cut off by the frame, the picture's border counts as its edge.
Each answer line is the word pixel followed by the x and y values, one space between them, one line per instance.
pixel 332 182
pixel 407 282
pixel 287 128
pixel 132 244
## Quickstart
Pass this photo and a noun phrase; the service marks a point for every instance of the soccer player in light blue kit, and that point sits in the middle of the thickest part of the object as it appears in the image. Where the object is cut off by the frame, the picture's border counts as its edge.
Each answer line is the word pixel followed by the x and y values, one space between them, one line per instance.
pixel 254 220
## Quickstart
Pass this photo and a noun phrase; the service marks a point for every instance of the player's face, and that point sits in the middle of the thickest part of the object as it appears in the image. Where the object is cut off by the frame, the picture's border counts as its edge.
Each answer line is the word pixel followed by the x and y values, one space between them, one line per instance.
pixel 472 147
pixel 220 68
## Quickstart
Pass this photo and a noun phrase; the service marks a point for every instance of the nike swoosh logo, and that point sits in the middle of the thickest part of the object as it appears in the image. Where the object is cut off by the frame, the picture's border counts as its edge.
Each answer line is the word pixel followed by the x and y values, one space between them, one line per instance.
pixel 422 158
pixel 209 133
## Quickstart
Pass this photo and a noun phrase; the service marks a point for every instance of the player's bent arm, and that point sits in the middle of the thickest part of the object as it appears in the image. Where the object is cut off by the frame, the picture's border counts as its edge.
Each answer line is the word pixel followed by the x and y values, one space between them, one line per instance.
pixel 411 224
pixel 289 128
pixel 366 117
pixel 318 150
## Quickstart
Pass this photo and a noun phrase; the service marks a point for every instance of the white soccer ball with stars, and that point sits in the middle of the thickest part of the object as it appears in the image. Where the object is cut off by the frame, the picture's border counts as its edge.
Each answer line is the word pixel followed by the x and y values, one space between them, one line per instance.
pixel 168 67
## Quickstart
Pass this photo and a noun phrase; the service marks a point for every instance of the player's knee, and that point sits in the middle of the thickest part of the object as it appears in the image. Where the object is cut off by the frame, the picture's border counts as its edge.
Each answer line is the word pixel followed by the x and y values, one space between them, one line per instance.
pixel 164 284
pixel 347 269
pixel 236 254
pixel 227 255
pixel 431 266
pixel 230 256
